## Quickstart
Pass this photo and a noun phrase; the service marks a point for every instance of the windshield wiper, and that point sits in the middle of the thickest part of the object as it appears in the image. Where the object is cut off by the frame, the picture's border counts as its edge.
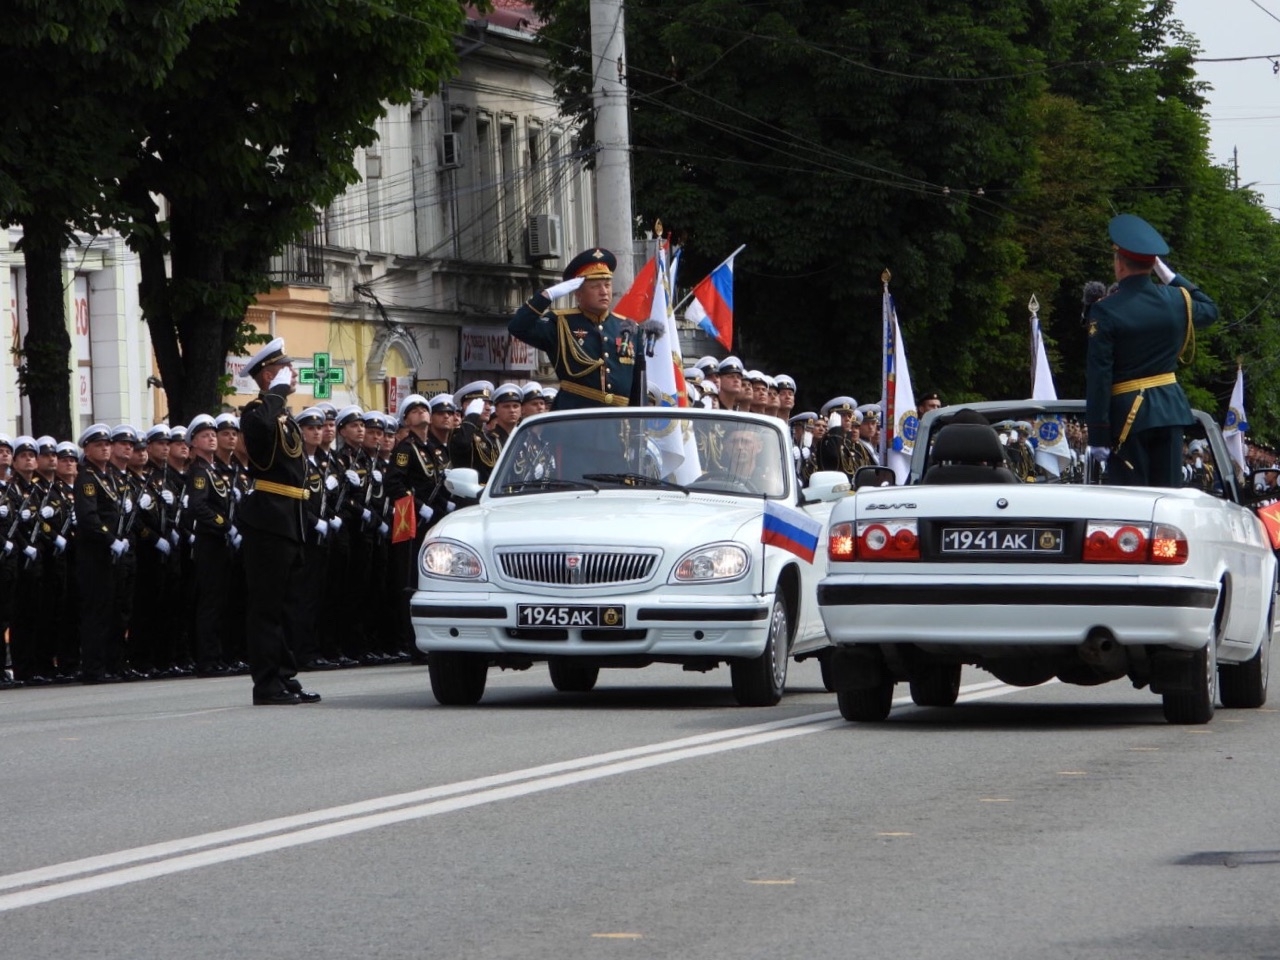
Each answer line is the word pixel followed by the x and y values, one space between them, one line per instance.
pixel 549 483
pixel 635 480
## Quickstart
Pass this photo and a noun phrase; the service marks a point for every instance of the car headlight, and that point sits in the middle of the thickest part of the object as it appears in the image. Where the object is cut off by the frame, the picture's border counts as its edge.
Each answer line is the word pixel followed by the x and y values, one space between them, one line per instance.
pixel 451 560
pixel 716 561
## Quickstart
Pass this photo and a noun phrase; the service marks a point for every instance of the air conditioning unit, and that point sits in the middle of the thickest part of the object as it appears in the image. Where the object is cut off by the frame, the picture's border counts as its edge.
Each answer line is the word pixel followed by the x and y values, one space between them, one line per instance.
pixel 450 151
pixel 545 241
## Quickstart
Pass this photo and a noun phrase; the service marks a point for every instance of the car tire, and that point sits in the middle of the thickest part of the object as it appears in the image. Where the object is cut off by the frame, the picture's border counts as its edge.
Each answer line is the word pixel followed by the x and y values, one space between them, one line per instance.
pixel 458 679
pixel 1196 706
pixel 868 705
pixel 760 681
pixel 824 664
pixel 936 685
pixel 1244 686
pixel 570 677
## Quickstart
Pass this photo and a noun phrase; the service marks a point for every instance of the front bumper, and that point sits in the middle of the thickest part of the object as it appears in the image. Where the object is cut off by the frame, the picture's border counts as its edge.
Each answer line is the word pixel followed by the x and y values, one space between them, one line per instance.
pixel 693 626
pixel 1016 611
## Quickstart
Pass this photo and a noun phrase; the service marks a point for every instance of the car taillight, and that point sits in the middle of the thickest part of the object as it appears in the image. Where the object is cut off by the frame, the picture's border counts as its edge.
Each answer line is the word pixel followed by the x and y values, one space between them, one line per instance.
pixel 840 543
pixel 1109 542
pixel 888 540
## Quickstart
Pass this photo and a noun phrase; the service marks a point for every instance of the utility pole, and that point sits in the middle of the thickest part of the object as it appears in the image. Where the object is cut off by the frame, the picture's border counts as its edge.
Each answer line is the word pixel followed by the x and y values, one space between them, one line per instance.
pixel 614 225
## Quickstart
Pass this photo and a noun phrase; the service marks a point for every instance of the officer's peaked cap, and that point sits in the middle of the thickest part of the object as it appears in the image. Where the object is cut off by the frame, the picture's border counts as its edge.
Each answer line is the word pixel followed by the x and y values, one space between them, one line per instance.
pixel 271 353
pixel 1136 239
pixel 596 262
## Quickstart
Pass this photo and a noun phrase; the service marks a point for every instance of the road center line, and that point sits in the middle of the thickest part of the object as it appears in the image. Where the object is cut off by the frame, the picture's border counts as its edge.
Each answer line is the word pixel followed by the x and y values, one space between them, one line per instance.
pixel 77 877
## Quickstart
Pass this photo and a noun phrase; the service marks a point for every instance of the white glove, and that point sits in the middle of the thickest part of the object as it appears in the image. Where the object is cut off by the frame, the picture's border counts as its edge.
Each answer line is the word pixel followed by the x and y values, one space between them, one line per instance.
pixel 59 544
pixel 118 547
pixel 1100 453
pixel 475 406
pixel 163 546
pixel 175 537
pixel 335 524
pixel 4 510
pixel 331 482
pixel 25 514
pixel 834 421
pixel 191 539
pixel 1162 271
pixel 807 441
pixel 30 552
pixel 560 289
pixel 128 504
pixel 795 454
pixel 450 506
pixel 284 376
pixel 46 512
pixel 144 503
pixel 8 547
pixel 186 501
pixel 366 515
pixel 426 513
pixel 383 529
pixel 167 497
pixel 236 541
pixel 236 494
pixel 322 529
pixel 377 476
pixel 353 478
pixel 805 454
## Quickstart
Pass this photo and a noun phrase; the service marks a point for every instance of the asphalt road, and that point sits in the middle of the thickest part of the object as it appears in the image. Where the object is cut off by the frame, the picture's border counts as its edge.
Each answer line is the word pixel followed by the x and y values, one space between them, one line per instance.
pixel 650 818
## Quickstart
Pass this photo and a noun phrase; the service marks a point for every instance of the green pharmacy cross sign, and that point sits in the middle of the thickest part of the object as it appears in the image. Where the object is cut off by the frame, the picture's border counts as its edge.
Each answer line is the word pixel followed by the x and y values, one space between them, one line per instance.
pixel 322 375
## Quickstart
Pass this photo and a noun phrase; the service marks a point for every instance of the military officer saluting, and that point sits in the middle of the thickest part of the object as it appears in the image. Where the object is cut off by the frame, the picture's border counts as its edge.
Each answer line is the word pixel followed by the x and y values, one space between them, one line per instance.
pixel 1137 336
pixel 471 445
pixel 592 348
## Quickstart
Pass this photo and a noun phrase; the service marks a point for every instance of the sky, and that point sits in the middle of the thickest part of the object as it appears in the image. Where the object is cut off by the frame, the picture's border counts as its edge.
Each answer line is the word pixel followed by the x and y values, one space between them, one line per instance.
pixel 1244 104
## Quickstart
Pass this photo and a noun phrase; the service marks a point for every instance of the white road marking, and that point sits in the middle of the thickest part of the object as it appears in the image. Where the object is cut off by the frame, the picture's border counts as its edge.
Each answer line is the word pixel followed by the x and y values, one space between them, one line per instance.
pixel 76 877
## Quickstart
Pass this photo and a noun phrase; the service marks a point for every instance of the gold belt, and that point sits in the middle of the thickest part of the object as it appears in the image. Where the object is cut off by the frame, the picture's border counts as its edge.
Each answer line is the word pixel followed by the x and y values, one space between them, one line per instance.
pixel 611 399
pixel 282 489
pixel 1129 386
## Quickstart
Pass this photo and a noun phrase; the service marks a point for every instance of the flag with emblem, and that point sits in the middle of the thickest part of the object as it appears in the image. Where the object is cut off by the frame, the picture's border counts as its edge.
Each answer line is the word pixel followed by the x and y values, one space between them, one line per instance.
pixel 674 441
pixel 1236 426
pixel 404 520
pixel 898 434
pixel 790 530
pixel 1052 451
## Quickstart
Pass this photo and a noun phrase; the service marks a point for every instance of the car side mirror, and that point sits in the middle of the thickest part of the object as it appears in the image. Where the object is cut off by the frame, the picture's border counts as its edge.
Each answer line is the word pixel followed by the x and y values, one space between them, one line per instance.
pixel 874 476
pixel 826 485
pixel 463 482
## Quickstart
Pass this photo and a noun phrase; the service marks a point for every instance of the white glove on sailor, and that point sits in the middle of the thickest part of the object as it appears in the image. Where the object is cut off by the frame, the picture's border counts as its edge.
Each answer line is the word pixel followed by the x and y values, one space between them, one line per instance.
pixel 1162 271
pixel 59 544
pixel 331 482
pixel 1101 454
pixel 4 510
pixel 834 421
pixel 237 493
pixel 335 524
pixel 284 376
pixel 377 476
pixel 46 512
pixel 353 478
pixel 322 529
pixel 163 546
pixel 118 547
pixel 233 533
pixel 167 497
pixel 175 537
pixel 8 547
pixel 560 289
pixel 128 504
pixel 366 515
pixel 450 506
pixel 144 503
pixel 426 513
pixel 30 552
pixel 475 406
pixel 805 454
pixel 236 541
pixel 795 454
pixel 25 514
pixel 383 529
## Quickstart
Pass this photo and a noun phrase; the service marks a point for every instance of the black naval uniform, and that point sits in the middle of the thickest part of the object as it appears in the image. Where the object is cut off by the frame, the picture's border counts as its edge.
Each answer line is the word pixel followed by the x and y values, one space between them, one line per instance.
pixel 97 500
pixel 417 467
pixel 271 520
pixel 208 507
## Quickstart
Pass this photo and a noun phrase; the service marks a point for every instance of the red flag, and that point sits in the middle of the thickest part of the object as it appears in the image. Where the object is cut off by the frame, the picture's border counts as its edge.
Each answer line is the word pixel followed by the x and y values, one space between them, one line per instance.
pixel 404 520
pixel 637 303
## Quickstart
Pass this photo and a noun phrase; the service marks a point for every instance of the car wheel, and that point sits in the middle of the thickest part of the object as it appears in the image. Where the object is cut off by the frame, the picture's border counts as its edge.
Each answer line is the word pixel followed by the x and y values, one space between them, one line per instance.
pixel 870 704
pixel 936 685
pixel 760 681
pixel 457 679
pixel 570 677
pixel 1196 705
pixel 824 664
pixel 1244 686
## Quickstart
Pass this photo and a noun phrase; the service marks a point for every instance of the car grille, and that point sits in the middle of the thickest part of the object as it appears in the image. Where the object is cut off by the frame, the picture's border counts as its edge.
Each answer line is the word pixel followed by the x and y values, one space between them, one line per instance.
pixel 573 568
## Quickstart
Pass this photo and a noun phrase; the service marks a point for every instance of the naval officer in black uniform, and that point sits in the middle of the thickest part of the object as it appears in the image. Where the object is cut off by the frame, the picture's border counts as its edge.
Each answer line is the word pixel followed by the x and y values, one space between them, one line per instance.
pixel 1138 335
pixel 271 518
pixel 592 348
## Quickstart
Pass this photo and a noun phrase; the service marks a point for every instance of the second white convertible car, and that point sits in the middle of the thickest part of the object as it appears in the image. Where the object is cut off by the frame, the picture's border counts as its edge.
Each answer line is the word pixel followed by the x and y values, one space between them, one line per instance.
pixel 620 538
pixel 1035 575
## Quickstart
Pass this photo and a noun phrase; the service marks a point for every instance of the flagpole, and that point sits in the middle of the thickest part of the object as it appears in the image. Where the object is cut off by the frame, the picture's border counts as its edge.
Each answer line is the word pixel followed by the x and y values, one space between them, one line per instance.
pixel 1033 305
pixel 886 364
pixel 689 296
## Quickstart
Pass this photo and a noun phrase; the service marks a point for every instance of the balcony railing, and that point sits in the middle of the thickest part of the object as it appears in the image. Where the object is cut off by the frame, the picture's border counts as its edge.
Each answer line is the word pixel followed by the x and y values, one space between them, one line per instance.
pixel 300 261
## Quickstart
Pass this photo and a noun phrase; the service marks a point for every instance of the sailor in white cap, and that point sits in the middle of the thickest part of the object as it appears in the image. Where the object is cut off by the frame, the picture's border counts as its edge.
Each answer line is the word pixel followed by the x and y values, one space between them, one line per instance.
pixel 6 461
pixel 839 448
pixel 869 431
pixel 733 390
pixel 30 643
pixel 470 445
pixel 208 504
pixel 98 498
pixel 508 407
pixel 272 524
pixel 310 640
pixel 531 400
pixel 786 395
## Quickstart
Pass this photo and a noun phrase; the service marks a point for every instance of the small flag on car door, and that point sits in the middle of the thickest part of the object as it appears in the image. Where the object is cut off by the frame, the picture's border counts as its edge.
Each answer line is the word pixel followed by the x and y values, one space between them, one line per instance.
pixel 791 530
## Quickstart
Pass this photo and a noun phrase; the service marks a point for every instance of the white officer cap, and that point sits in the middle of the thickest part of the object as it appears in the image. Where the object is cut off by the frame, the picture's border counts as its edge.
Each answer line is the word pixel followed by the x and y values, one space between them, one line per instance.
pixel 709 387
pixel 227 421
pixel 692 392
pixel 549 393
pixel 6 441
pixel 870 411
pixel 68 449
pixel 124 433
pixel 443 403
pixel 844 405
pixel 178 434
pixel 531 391
pixel 46 444
pixel 411 401
pixel 507 392
pixel 693 375
pixel 730 365
pixel 784 382
pixel 469 391
pixel 201 421
pixel 160 432
pixel 708 364
pixel 99 431
pixel 23 444
pixel 273 352
pixel 349 414
pixel 310 417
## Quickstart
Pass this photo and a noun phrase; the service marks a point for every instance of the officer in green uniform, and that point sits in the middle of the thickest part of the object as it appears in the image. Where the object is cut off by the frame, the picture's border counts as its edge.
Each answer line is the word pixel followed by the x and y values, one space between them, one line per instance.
pixel 592 349
pixel 1137 336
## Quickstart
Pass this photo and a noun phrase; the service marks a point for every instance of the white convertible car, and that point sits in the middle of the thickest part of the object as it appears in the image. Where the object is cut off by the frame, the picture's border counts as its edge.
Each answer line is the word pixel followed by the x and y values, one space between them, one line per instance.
pixel 620 538
pixel 968 563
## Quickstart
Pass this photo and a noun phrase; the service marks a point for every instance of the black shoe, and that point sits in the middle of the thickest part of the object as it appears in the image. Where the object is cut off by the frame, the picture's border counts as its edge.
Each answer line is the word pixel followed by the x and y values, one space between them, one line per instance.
pixel 307 696
pixel 369 659
pixel 238 667
pixel 282 699
pixel 37 681
pixel 345 662
pixel 319 663
pixel 217 670
pixel 7 684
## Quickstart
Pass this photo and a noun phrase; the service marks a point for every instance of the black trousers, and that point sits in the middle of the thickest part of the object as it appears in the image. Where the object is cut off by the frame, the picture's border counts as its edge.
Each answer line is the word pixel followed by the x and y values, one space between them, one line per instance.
pixel 96 584
pixel 211 567
pixel 1148 458
pixel 273 575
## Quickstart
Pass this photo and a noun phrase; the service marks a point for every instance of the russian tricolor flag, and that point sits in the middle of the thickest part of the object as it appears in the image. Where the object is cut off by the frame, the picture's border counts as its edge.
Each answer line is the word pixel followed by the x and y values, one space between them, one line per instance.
pixel 712 306
pixel 791 530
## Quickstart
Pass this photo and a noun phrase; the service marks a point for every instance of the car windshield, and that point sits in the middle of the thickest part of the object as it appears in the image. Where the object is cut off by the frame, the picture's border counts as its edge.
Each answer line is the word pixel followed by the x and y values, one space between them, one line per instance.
pixel 720 454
